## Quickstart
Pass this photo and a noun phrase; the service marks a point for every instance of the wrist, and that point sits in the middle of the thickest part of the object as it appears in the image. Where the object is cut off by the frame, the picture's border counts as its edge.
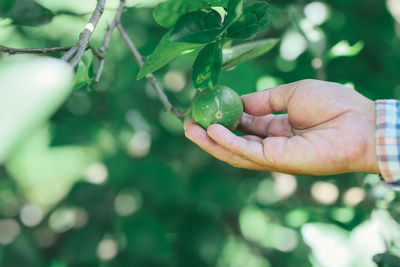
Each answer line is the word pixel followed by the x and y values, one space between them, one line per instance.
pixel 372 159
pixel 368 162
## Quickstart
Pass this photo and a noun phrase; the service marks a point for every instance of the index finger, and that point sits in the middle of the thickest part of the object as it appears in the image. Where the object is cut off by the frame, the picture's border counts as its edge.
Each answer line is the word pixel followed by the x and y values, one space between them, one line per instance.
pixel 270 100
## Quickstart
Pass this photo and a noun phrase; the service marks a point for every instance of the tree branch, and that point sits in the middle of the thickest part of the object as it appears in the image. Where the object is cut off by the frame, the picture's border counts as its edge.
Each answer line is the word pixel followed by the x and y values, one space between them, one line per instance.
pixel 13 51
pixel 106 42
pixel 152 79
pixel 76 52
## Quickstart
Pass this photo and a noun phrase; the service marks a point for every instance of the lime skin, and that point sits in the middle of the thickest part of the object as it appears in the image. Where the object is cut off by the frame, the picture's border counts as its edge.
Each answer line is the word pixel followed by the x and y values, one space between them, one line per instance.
pixel 220 105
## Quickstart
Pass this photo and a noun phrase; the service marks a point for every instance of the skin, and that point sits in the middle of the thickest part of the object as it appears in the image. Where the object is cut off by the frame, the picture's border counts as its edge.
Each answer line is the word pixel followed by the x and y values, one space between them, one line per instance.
pixel 328 129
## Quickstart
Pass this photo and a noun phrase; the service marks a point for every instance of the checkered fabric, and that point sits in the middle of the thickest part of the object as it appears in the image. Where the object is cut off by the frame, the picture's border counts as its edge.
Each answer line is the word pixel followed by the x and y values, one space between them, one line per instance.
pixel 387 138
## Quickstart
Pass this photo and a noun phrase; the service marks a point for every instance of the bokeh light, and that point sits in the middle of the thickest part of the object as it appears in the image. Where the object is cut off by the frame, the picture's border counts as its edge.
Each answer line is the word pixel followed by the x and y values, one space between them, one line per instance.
pixel 256 226
pixel 139 144
pixel 175 80
pixel 292 46
pixel 64 219
pixel 127 202
pixel 31 215
pixel 9 230
pixel 96 173
pixel 285 184
pixel 107 249
pixel 324 192
pixel 353 196
pixel 343 214
pixel 297 217
pixel 265 82
pixel 316 12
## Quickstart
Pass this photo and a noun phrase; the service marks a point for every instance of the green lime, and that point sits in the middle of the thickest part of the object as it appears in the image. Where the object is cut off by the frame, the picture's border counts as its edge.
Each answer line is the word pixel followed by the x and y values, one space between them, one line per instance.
pixel 220 105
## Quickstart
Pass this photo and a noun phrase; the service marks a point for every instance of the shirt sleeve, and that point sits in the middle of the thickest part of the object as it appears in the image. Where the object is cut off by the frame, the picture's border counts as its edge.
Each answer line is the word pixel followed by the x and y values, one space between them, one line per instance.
pixel 387 139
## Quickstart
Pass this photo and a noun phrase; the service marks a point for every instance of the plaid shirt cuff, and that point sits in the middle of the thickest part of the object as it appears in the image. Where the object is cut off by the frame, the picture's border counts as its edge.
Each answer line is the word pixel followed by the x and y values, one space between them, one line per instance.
pixel 387 139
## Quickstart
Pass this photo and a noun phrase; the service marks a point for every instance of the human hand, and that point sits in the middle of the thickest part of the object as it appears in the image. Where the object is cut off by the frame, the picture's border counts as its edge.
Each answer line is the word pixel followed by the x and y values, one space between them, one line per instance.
pixel 329 128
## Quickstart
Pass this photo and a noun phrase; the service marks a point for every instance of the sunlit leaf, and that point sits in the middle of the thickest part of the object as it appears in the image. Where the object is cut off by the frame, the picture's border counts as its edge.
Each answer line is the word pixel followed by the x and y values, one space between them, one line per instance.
pixel 167 13
pixel 237 54
pixel 29 13
pixel 142 3
pixel 34 164
pixel 31 89
pixel 344 49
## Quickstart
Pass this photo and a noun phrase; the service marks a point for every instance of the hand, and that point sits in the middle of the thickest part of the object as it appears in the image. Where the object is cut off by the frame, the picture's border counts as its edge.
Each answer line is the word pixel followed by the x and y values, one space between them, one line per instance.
pixel 329 128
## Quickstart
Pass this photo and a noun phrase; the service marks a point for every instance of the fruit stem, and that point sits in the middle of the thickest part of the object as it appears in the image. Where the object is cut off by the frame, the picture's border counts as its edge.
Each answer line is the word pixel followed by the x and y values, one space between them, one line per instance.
pixel 189 109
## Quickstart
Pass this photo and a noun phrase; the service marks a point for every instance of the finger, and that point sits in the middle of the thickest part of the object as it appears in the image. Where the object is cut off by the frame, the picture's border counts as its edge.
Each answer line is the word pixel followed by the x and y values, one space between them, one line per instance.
pixel 199 136
pixel 270 100
pixel 268 125
pixel 237 145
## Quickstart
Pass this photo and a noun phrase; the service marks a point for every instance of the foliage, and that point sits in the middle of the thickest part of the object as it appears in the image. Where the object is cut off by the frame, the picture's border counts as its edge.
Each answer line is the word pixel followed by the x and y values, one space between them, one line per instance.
pixel 110 180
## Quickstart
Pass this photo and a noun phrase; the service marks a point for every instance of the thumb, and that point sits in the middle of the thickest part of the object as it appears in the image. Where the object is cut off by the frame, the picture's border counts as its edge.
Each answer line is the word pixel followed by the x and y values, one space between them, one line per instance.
pixel 270 100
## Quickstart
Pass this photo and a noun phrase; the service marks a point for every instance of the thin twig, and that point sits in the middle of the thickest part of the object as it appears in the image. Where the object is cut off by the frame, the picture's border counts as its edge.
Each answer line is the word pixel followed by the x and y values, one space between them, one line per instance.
pixel 76 52
pixel 95 51
pixel 152 79
pixel 69 54
pixel 12 51
pixel 107 37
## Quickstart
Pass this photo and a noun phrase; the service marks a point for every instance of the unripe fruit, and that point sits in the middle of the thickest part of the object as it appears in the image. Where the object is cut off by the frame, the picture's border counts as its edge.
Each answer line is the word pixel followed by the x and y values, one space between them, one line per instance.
pixel 220 105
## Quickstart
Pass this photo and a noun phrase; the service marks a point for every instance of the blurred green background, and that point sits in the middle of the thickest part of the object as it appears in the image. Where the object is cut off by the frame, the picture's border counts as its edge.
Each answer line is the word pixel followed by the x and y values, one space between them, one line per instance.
pixel 110 179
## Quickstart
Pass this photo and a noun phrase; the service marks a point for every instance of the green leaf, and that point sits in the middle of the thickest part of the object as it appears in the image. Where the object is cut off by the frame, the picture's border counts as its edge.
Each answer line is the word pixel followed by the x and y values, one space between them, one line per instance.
pixel 5 7
pixel 84 75
pixel 263 12
pixel 207 67
pixel 31 89
pixel 167 13
pixel 237 54
pixel 235 10
pixel 255 18
pixel 223 3
pixel 35 163
pixel 197 27
pixel 162 54
pixel 244 28
pixel 386 259
pixel 29 13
